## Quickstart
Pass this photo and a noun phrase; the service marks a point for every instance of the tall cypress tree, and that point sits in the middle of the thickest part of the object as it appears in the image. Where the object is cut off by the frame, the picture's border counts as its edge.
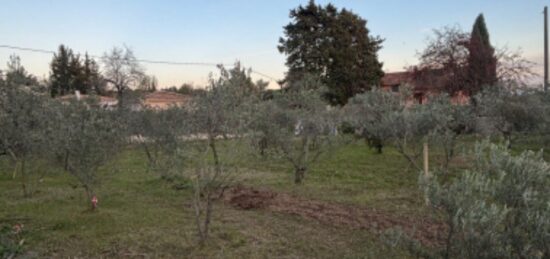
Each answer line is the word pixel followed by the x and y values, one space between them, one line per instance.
pixel 60 76
pixel 482 63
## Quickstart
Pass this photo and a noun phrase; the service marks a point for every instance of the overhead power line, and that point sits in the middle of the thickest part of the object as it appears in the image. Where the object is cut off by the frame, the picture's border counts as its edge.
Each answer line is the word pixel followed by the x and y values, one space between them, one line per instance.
pixel 147 61
pixel 27 49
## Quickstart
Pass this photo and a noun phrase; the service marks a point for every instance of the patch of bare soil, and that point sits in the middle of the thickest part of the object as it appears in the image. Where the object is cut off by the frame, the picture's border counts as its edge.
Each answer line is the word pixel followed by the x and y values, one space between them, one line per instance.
pixel 426 231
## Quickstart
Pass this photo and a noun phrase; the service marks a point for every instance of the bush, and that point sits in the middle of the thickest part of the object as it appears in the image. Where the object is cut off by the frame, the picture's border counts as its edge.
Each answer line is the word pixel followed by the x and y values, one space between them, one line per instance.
pixel 498 209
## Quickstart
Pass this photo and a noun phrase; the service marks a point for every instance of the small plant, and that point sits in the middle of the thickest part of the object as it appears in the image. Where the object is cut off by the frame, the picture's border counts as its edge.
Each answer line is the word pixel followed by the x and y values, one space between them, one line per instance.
pixel 11 240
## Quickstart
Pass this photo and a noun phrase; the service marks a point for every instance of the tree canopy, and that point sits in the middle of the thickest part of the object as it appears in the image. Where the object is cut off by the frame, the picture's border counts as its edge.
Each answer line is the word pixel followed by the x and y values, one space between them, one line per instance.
pixel 70 73
pixel 482 63
pixel 335 45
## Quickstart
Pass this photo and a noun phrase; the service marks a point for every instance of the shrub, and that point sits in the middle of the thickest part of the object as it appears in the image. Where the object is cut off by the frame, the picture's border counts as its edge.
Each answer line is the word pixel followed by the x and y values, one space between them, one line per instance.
pixel 498 209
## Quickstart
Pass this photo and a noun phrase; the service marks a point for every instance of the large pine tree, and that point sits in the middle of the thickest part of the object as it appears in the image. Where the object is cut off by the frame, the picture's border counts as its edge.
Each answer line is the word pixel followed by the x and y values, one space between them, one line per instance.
pixel 482 63
pixel 334 45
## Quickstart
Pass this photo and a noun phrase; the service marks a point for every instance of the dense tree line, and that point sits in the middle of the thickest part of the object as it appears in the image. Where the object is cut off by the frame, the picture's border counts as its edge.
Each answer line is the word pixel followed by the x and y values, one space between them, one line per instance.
pixel 70 73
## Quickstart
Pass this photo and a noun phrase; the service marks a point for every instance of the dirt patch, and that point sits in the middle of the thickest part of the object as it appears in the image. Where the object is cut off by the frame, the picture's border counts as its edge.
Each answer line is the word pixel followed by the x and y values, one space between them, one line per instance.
pixel 248 198
pixel 426 231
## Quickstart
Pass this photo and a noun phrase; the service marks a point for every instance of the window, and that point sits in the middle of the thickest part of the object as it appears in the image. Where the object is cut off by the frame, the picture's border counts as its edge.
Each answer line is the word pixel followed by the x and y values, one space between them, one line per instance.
pixel 395 88
pixel 419 97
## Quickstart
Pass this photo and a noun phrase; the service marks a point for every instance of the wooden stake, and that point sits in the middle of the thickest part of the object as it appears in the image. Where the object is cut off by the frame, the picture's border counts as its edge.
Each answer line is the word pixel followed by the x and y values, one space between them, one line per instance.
pixel 426 168
pixel 426 165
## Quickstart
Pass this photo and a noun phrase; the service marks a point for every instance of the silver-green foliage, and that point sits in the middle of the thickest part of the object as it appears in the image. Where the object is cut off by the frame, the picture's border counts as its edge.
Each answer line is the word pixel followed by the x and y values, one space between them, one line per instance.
pixel 449 121
pixel 24 129
pixel 511 113
pixel 408 129
pixel 391 118
pixel 299 125
pixel 86 138
pixel 160 133
pixel 498 209
pixel 366 112
pixel 218 121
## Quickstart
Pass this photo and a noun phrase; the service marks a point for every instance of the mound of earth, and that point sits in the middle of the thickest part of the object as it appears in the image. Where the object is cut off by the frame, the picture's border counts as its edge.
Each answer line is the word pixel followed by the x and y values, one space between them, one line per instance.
pixel 426 231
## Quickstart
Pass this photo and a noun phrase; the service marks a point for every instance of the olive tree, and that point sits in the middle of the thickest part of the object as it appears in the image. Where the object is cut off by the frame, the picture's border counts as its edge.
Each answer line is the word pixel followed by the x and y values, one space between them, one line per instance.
pixel 366 112
pixel 498 209
pixel 408 129
pixel 86 139
pixel 391 118
pixel 449 122
pixel 299 125
pixel 218 120
pixel 24 129
pixel 512 113
pixel 160 133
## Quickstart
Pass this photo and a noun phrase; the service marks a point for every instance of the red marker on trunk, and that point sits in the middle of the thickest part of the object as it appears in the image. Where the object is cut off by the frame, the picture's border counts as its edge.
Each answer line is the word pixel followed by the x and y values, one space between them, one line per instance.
pixel 94 202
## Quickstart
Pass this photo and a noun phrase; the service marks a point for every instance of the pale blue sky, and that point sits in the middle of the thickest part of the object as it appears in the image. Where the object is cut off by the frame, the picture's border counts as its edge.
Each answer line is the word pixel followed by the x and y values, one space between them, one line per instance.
pixel 225 31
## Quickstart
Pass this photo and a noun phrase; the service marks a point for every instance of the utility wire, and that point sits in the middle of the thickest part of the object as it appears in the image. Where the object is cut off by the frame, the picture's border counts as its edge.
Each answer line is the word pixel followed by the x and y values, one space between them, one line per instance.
pixel 44 51
pixel 27 49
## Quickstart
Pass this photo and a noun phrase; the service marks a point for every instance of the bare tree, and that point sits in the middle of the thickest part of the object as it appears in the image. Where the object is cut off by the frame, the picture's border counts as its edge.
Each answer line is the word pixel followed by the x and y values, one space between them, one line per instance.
pixel 148 83
pixel 444 59
pixel 513 70
pixel 444 63
pixel 122 70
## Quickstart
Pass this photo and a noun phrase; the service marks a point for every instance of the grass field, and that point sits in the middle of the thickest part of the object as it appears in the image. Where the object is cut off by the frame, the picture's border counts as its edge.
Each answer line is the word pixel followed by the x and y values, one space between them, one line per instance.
pixel 141 215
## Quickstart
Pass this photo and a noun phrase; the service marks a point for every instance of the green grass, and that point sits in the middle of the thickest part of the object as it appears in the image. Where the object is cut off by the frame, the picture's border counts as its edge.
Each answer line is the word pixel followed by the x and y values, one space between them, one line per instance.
pixel 141 215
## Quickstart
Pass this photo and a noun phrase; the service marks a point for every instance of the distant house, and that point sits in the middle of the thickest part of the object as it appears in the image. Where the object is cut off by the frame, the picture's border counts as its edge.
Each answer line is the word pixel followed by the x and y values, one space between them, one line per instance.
pixel 103 101
pixel 164 99
pixel 422 85
pixel 155 100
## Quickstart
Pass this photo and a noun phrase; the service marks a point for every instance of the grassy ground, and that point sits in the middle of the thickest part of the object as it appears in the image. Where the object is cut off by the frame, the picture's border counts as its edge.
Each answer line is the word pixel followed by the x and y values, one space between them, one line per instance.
pixel 141 215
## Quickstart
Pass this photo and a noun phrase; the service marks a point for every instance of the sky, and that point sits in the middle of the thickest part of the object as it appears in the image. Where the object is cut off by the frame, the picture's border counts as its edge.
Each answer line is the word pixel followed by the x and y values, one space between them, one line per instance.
pixel 244 30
